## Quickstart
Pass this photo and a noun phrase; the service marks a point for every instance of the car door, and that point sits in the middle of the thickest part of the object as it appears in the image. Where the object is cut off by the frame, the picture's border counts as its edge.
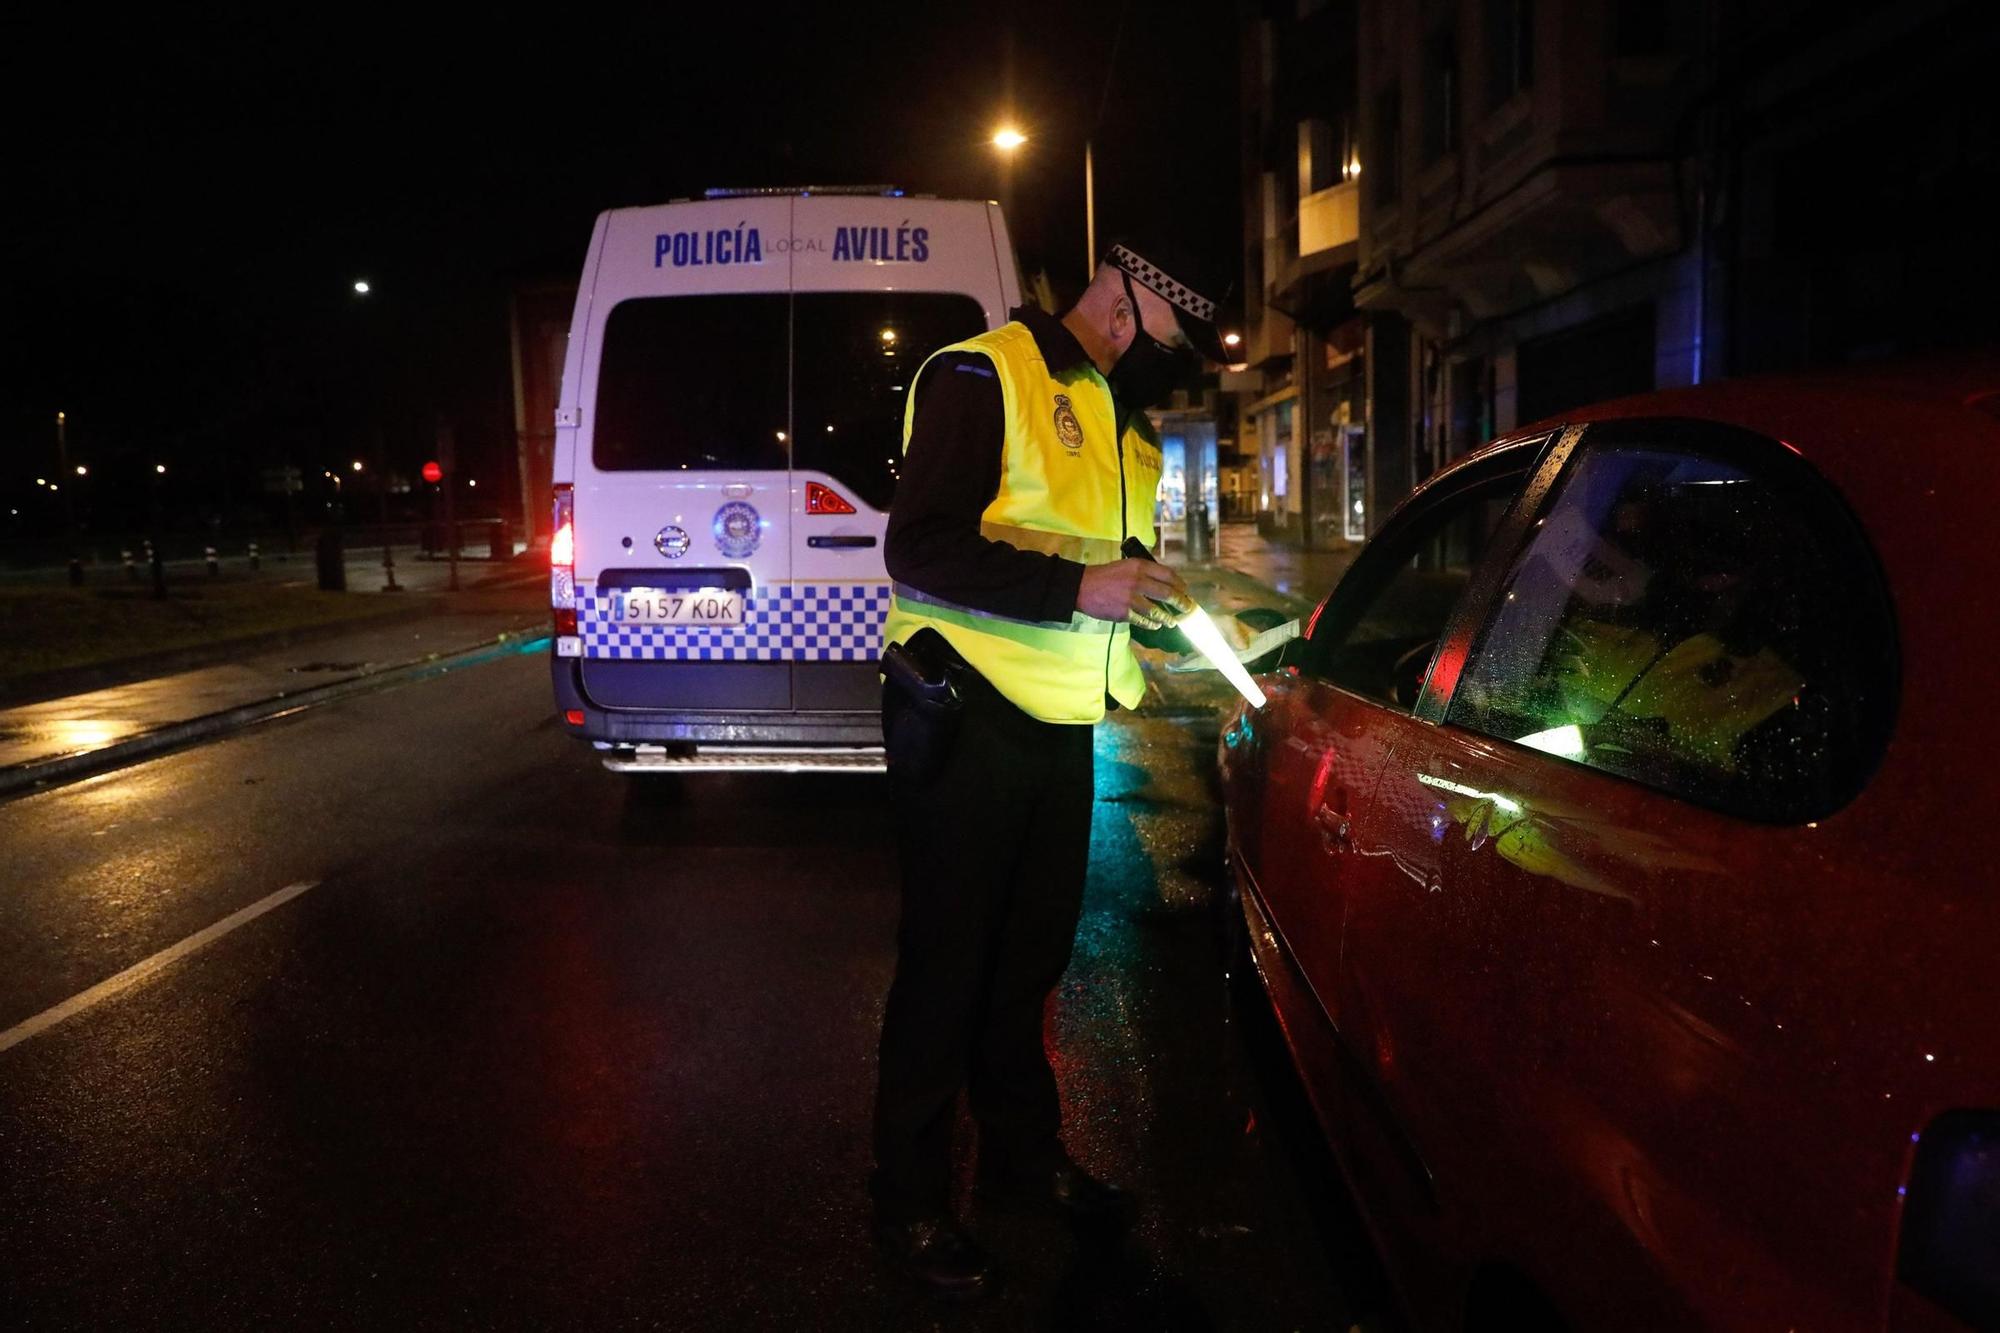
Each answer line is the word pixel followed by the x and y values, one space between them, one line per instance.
pixel 1326 729
pixel 1337 724
pixel 1570 975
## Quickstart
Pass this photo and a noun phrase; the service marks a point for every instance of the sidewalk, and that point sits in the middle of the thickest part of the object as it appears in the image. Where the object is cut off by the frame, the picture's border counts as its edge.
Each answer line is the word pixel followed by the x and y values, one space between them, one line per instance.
pixel 1249 572
pixel 512 609
pixel 57 640
pixel 1249 575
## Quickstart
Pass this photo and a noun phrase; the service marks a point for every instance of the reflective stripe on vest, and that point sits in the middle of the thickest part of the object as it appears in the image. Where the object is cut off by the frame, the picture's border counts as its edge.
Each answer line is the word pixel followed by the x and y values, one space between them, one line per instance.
pixel 1083 550
pixel 1078 622
pixel 1062 492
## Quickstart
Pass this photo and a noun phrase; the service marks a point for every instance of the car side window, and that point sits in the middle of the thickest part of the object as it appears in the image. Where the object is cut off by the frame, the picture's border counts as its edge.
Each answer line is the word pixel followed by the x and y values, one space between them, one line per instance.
pixel 1707 621
pixel 1383 623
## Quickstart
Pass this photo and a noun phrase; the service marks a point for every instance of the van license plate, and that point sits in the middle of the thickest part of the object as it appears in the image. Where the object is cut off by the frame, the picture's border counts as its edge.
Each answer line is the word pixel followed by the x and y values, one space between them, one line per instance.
pixel 693 606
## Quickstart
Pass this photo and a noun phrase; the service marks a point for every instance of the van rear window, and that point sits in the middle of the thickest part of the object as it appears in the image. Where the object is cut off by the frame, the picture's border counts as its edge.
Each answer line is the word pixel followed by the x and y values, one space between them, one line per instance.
pixel 699 383
pixel 856 352
pixel 693 383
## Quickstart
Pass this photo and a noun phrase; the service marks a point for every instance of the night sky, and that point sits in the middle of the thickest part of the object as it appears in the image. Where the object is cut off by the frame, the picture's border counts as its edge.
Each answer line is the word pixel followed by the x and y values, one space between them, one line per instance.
pixel 191 199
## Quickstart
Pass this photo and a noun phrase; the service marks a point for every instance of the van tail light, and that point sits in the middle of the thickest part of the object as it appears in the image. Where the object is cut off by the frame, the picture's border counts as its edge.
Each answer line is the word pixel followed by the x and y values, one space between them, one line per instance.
pixel 562 546
pixel 573 716
pixel 562 561
pixel 1951 1217
pixel 821 499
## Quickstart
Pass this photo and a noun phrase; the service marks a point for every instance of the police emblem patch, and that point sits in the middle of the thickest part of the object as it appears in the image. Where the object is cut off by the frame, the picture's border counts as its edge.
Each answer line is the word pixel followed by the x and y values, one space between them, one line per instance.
pixel 1068 429
pixel 737 530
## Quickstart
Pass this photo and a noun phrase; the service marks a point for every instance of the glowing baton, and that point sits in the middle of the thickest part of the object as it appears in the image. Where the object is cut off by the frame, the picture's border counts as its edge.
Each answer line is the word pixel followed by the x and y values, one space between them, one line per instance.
pixel 1207 639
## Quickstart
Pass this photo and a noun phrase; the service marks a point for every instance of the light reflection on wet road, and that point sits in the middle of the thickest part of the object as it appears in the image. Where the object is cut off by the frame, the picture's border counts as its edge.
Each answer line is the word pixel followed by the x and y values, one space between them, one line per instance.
pixel 549 1046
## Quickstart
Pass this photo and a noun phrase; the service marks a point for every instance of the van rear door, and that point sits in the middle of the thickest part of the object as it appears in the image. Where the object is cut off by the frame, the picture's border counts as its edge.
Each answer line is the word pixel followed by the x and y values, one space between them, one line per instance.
pixel 881 283
pixel 682 492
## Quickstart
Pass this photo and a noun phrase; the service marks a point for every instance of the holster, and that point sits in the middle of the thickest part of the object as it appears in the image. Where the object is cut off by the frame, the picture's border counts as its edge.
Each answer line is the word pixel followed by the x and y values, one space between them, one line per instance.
pixel 929 683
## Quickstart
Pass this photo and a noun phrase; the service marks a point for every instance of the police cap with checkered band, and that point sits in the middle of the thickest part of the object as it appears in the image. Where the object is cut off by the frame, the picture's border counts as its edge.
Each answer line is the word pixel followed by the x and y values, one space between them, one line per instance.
pixel 1182 281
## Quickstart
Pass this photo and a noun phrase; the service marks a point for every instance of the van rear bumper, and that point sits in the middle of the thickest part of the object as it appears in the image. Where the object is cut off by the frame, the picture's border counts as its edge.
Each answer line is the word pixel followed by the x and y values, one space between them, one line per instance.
pixel 716 722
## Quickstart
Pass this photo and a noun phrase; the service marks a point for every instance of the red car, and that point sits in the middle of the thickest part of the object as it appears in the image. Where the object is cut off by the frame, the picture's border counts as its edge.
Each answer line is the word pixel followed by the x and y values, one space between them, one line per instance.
pixel 1613 851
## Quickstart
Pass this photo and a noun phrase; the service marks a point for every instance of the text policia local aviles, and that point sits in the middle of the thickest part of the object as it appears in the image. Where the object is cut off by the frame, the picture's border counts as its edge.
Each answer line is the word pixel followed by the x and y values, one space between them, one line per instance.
pixel 745 245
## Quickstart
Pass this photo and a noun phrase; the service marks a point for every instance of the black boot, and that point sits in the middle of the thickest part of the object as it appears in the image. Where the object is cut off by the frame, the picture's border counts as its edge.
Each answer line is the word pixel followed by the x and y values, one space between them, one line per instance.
pixel 1064 1190
pixel 936 1253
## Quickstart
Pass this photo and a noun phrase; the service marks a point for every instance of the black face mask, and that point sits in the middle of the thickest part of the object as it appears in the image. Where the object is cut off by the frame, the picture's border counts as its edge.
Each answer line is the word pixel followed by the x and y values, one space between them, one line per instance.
pixel 1147 372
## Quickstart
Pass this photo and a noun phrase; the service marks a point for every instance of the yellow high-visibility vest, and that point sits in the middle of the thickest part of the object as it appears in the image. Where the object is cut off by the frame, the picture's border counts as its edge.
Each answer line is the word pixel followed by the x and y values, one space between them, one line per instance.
pixel 1064 490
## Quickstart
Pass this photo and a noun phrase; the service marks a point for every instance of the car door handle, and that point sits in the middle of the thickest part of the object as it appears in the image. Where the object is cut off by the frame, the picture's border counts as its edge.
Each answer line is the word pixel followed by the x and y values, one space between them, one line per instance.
pixel 839 542
pixel 1335 828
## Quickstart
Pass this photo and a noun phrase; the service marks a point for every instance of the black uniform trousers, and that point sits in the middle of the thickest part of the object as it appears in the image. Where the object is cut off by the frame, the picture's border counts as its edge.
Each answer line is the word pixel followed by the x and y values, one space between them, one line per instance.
pixel 993 850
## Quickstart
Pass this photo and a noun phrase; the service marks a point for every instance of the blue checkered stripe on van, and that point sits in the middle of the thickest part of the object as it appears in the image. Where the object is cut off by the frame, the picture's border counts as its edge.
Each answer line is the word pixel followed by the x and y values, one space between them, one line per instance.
pixel 797 622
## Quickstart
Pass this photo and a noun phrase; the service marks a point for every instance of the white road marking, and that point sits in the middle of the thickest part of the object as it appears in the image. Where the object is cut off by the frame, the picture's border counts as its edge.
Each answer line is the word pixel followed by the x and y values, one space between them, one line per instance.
pixel 139 971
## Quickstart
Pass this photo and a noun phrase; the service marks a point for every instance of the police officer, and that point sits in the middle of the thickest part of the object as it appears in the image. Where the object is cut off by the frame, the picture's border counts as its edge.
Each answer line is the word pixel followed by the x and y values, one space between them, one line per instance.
pixel 1028 461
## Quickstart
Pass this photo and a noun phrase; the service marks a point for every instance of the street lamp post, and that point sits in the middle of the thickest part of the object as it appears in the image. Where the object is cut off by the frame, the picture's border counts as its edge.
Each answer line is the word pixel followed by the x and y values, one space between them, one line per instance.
pixel 382 496
pixel 1089 213
pixel 69 498
pixel 1008 140
pixel 362 287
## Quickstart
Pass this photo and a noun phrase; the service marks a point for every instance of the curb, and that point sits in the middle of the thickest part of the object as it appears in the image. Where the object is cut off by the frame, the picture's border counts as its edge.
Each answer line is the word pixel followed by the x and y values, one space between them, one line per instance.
pixel 46 774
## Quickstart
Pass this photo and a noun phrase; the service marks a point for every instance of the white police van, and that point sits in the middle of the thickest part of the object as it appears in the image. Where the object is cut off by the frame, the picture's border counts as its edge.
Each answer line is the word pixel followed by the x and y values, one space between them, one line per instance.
pixel 727 444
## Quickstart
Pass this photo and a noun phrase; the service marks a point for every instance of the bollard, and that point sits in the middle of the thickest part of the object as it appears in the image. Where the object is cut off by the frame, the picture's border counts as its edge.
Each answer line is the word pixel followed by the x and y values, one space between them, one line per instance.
pixel 131 565
pixel 331 562
pixel 214 564
pixel 255 561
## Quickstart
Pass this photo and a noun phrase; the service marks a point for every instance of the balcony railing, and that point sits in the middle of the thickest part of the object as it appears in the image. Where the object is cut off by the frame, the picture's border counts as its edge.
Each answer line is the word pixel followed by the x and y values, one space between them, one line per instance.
pixel 1330 218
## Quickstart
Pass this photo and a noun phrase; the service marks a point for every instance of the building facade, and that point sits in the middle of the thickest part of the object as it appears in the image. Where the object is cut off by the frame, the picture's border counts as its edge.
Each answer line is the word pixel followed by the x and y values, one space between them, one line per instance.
pixel 1471 215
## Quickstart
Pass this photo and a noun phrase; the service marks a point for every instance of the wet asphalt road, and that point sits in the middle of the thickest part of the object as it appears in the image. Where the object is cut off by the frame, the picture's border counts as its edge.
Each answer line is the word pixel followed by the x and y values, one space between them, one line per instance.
pixel 543 1046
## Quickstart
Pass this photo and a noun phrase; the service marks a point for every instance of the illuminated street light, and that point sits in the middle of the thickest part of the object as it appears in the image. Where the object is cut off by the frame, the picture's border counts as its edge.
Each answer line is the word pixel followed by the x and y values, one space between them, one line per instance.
pixel 160 468
pixel 472 481
pixel 361 287
pixel 1007 139
pixel 357 465
pixel 1231 339
pixel 82 471
pixel 41 481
